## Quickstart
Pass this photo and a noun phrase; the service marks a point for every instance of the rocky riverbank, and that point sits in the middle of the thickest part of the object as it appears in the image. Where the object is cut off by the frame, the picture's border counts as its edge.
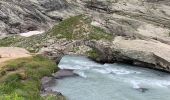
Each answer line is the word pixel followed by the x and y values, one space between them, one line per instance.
pixel 150 54
pixel 47 82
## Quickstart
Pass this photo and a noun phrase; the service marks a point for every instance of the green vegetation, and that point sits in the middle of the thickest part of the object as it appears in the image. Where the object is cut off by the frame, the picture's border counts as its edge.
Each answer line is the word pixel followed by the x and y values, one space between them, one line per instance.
pixel 93 54
pixel 74 28
pixel 98 33
pixel 66 29
pixel 33 43
pixel 20 78
pixel 8 41
pixel 75 49
pixel 79 27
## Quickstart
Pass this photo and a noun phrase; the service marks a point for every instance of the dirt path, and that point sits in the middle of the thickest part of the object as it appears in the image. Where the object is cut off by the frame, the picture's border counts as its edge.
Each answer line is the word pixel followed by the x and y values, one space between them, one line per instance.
pixel 8 53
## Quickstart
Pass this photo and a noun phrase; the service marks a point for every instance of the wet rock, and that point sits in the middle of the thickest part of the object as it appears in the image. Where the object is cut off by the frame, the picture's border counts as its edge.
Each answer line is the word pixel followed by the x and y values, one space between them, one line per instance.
pixel 47 82
pixel 49 92
pixel 64 73
pixel 143 90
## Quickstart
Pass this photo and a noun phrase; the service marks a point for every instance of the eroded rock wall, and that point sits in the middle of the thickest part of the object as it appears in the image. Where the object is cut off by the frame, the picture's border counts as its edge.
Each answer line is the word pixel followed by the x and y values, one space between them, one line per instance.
pixel 17 16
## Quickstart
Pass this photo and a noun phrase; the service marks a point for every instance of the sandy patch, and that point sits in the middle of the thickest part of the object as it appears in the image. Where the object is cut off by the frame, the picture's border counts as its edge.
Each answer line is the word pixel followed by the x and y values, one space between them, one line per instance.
pixel 8 53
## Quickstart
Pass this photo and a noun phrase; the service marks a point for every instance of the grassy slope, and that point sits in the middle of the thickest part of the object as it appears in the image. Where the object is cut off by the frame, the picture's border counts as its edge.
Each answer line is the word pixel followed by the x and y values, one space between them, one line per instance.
pixel 8 41
pixel 74 28
pixel 20 78
pixel 79 27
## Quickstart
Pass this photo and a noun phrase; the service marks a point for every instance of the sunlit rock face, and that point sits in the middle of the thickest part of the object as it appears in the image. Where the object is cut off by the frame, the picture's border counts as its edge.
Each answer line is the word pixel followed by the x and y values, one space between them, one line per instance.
pixel 123 17
pixel 18 16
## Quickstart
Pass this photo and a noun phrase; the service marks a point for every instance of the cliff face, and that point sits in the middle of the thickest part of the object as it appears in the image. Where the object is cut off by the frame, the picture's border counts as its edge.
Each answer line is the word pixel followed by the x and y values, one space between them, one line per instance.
pixel 136 18
pixel 17 16
pixel 121 17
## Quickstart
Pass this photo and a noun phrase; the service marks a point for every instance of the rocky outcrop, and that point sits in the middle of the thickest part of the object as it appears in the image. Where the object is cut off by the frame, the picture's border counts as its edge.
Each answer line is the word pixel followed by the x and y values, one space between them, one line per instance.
pixel 144 24
pixel 144 19
pixel 64 73
pixel 152 54
pixel 17 16
pixel 57 50
pixel 46 82
pixel 146 53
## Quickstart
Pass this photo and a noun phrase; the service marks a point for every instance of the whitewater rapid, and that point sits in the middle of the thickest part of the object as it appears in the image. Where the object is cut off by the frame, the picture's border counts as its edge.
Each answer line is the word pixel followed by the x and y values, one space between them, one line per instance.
pixel 111 81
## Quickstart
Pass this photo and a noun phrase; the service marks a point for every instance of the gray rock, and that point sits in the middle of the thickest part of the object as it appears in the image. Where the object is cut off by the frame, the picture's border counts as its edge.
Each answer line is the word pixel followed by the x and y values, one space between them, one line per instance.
pixel 143 90
pixel 145 53
pixel 47 82
pixel 64 73
pixel 26 15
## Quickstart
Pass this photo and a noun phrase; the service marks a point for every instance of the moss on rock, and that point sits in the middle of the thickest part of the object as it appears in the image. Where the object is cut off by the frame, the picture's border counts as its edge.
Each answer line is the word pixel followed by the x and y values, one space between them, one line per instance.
pixel 93 54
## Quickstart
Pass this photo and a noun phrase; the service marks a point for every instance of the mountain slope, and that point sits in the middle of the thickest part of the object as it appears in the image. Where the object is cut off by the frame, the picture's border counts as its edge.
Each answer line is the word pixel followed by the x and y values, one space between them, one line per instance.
pixel 17 16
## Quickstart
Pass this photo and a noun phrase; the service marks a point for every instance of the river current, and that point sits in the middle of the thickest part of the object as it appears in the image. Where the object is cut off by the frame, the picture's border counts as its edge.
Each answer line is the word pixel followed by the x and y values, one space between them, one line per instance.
pixel 111 81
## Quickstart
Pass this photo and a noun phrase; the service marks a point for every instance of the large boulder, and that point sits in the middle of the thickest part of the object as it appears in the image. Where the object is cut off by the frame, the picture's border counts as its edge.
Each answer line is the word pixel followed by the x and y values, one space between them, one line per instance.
pixel 152 54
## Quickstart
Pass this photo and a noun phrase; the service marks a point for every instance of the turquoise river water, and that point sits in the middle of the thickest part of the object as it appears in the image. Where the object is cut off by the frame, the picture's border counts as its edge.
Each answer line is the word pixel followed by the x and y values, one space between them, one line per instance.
pixel 111 81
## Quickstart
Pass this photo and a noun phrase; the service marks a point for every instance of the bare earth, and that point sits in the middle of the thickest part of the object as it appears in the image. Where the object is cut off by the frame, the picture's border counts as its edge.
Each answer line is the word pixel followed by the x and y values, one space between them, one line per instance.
pixel 8 53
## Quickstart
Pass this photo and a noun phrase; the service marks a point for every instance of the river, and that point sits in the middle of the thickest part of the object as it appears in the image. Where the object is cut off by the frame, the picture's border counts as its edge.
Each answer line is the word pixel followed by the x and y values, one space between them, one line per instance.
pixel 111 81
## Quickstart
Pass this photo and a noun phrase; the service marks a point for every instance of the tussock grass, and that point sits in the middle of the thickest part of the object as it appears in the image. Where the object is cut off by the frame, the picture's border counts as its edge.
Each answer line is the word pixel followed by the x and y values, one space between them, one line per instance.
pixel 20 78
pixel 8 41
pixel 79 27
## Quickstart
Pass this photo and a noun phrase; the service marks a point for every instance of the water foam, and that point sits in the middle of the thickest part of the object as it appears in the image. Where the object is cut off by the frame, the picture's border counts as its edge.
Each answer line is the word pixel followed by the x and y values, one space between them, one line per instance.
pixel 114 80
pixel 81 73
